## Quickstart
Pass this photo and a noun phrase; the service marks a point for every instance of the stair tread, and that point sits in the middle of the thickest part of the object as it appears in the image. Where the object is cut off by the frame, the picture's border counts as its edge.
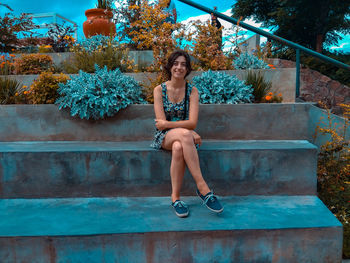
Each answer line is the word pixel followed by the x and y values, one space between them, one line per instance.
pixel 117 215
pixel 88 146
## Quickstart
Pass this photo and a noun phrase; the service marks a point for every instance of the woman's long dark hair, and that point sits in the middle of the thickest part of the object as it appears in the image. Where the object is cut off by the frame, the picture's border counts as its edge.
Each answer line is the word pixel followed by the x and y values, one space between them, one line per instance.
pixel 171 60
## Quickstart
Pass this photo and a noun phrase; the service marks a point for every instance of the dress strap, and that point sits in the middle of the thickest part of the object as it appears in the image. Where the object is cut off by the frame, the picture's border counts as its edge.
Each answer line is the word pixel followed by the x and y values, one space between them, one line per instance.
pixel 187 100
pixel 164 96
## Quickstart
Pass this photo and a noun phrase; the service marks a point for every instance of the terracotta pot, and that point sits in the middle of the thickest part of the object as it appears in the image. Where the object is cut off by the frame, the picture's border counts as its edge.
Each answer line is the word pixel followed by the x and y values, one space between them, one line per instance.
pixel 99 21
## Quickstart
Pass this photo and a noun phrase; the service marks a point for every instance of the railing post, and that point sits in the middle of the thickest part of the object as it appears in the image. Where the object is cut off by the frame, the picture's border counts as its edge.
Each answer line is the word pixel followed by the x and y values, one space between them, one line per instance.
pixel 297 80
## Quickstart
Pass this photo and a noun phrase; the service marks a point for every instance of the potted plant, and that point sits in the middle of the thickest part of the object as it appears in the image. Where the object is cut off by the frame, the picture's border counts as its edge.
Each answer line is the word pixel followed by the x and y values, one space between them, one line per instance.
pixel 99 20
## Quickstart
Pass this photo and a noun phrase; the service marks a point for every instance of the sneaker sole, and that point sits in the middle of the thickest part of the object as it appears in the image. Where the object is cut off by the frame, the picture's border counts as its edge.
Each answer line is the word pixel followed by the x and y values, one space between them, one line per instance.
pixel 182 215
pixel 216 211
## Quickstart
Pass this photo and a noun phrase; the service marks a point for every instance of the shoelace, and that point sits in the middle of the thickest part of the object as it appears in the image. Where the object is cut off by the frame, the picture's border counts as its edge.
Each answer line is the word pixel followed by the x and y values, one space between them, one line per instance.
pixel 180 204
pixel 210 197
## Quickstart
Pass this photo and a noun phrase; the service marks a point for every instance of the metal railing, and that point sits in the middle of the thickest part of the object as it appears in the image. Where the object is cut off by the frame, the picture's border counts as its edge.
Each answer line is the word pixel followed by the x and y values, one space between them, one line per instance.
pixel 297 47
pixel 54 18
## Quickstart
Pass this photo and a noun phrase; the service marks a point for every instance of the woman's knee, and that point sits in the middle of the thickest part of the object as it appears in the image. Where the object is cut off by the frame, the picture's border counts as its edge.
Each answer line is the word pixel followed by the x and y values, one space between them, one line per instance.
pixel 177 149
pixel 187 136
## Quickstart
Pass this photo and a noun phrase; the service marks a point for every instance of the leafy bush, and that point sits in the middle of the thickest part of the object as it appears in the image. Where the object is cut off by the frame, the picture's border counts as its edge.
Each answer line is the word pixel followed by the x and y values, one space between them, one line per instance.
pixel 248 61
pixel 272 98
pixel 11 27
pixel 6 63
pixel 218 87
pixel 206 48
pixel 44 88
pixel 333 184
pixel 260 86
pixel 98 95
pixel 33 63
pixel 11 91
pixel 60 37
pixel 45 49
pixel 100 50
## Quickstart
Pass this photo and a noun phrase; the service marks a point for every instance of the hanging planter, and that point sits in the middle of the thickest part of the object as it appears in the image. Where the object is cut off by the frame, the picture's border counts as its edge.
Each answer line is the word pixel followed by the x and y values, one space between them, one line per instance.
pixel 99 22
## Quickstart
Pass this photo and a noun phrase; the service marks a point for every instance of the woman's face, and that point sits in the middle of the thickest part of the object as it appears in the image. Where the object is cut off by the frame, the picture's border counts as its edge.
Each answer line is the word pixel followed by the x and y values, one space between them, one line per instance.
pixel 179 69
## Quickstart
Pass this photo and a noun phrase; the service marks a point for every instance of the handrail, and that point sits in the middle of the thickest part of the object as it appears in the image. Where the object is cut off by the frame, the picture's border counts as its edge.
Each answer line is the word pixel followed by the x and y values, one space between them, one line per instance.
pixel 297 47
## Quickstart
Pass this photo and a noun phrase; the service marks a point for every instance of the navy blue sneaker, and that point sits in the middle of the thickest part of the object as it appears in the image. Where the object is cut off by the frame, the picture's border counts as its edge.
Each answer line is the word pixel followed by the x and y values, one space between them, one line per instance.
pixel 181 209
pixel 211 201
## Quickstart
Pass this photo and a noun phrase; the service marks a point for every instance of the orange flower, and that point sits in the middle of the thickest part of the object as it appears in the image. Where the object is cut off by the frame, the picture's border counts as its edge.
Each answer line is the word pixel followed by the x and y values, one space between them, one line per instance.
pixel 25 87
pixel 25 92
pixel 16 94
pixel 12 55
pixel 270 93
pixel 268 97
pixel 279 95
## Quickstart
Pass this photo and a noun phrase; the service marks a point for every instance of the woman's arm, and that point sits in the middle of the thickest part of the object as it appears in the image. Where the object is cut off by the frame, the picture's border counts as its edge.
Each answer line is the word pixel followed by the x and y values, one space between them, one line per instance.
pixel 158 103
pixel 191 123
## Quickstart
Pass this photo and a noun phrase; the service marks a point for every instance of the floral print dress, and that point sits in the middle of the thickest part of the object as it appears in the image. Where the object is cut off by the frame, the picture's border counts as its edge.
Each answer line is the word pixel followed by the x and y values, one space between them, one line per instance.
pixel 173 112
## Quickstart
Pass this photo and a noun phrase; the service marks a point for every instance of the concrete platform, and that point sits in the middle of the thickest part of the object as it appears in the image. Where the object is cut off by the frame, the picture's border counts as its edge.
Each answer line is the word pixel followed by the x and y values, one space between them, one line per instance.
pixel 82 169
pixel 134 229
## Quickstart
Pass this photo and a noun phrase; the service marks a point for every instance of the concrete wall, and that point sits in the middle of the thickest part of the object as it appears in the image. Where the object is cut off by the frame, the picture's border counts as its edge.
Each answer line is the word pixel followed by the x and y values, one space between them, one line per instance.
pixel 225 122
pixel 276 76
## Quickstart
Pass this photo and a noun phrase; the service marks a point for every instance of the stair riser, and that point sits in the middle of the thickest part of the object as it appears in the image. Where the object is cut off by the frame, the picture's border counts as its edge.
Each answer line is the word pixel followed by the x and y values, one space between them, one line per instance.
pixel 317 245
pixel 146 173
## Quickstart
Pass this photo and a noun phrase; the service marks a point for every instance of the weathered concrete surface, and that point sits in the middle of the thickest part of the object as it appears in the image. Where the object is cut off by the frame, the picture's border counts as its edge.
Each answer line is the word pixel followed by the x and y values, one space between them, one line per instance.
pixel 65 169
pixel 276 76
pixel 135 123
pixel 275 229
pixel 223 122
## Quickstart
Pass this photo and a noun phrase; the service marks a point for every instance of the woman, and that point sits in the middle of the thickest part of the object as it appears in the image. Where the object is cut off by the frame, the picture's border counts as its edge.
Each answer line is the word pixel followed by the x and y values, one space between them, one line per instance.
pixel 176 110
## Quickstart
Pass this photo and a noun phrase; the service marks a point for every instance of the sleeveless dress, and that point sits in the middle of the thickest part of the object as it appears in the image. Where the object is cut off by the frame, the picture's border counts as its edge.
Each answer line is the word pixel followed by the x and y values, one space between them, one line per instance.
pixel 173 112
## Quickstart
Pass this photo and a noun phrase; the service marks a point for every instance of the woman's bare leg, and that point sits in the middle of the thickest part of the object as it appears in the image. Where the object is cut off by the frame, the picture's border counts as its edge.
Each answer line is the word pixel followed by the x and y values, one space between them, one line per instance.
pixel 177 170
pixel 190 154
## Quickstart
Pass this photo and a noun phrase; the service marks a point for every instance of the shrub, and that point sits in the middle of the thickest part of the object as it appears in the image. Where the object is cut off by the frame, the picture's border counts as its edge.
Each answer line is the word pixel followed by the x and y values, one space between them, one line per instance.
pixel 6 63
pixel 10 28
pixel 100 50
pixel 248 61
pixel 98 95
pixel 11 91
pixel 45 49
pixel 33 63
pixel 60 37
pixel 44 88
pixel 218 87
pixel 260 86
pixel 206 49
pixel 333 182
pixel 272 98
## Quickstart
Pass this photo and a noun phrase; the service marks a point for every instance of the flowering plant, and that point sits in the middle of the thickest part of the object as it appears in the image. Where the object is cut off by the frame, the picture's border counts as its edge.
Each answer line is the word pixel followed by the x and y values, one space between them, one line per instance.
pixel 272 98
pixel 6 63
pixel 104 4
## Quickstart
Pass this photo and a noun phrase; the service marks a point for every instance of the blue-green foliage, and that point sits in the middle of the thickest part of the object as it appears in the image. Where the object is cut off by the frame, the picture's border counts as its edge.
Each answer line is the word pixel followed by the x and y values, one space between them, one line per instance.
pixel 97 42
pixel 98 95
pixel 249 61
pixel 221 88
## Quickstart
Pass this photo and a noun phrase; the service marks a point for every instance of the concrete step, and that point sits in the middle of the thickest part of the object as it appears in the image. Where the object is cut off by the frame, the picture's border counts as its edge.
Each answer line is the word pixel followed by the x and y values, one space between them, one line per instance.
pixel 82 169
pixel 277 229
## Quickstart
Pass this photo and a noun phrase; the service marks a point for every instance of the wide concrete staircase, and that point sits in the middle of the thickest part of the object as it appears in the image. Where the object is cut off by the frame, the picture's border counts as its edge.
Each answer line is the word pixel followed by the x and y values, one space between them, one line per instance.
pixel 94 191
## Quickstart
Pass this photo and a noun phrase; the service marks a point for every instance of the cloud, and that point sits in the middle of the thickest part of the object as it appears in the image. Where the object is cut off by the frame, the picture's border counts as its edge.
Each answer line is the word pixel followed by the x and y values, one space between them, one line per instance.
pixel 229 29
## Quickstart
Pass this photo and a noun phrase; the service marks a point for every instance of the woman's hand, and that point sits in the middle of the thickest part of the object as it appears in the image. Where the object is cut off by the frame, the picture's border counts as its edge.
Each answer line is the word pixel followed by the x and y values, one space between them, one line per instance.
pixel 196 138
pixel 161 124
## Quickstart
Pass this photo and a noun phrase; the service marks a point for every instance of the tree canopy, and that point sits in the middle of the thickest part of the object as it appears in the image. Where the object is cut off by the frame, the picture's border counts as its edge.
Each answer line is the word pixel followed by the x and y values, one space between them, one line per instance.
pixel 307 22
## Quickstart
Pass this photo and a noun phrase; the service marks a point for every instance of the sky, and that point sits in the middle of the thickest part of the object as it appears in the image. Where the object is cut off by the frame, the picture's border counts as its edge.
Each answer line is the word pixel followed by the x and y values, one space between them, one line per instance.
pixel 74 10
